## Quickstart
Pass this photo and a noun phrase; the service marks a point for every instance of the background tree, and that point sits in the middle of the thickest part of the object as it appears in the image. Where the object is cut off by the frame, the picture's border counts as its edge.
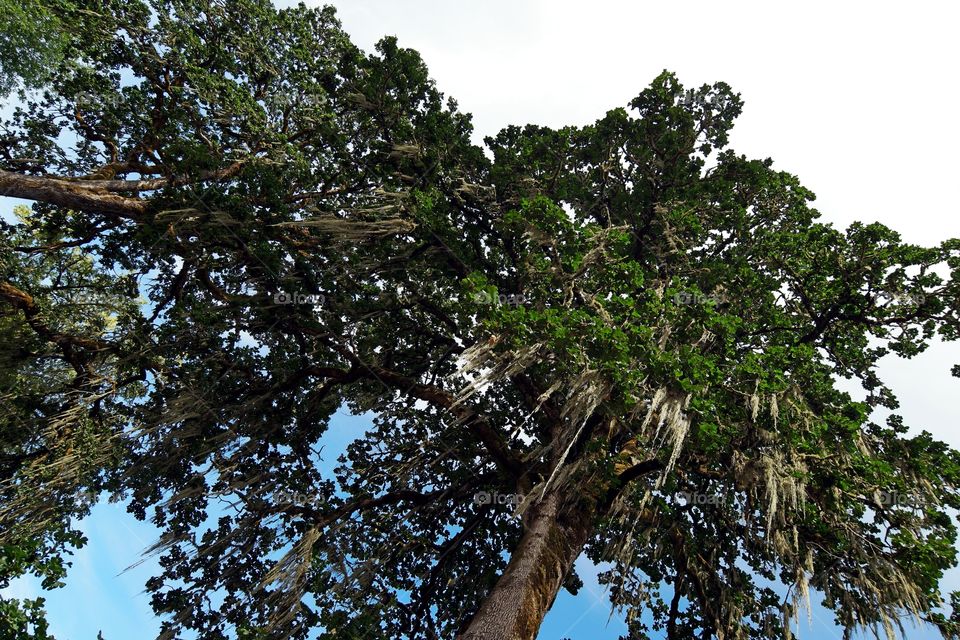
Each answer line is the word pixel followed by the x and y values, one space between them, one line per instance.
pixel 628 333
pixel 57 382
pixel 31 39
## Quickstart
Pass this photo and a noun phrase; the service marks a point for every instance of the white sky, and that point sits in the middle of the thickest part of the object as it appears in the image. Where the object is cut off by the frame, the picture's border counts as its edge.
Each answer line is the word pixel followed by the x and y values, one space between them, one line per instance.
pixel 858 99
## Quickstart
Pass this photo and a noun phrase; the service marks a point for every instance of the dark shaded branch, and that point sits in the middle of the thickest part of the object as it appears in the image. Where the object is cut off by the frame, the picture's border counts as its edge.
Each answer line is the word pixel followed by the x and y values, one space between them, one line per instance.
pixel 675 607
pixel 506 458
pixel 76 349
pixel 629 475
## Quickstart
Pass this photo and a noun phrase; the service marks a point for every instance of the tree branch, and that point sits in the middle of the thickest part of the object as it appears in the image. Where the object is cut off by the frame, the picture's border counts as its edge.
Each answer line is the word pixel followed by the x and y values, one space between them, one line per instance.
pixel 70 194
pixel 488 436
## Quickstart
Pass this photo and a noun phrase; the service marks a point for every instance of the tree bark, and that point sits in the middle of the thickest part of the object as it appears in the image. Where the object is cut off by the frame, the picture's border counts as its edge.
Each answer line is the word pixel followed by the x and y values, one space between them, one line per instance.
pixel 70 194
pixel 515 607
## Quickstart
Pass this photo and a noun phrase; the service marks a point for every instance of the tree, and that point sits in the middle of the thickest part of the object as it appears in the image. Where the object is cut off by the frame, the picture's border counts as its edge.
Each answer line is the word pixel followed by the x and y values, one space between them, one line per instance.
pixel 55 433
pixel 618 340
pixel 30 42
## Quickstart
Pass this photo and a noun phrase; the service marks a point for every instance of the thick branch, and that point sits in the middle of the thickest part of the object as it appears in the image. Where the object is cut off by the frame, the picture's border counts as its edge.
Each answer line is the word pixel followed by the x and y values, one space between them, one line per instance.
pixel 152 184
pixel 70 194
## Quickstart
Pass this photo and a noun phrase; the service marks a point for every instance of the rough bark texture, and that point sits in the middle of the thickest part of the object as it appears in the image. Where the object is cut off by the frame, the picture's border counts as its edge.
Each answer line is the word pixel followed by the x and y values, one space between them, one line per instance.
pixel 515 608
pixel 71 194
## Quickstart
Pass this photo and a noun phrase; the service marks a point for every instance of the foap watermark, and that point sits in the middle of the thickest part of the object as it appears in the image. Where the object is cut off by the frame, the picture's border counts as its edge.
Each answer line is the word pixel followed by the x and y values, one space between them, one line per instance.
pixel 87 100
pixel 896 499
pixel 285 297
pixel 501 299
pixel 700 498
pixel 86 498
pixel 711 100
pixel 685 297
pixel 287 100
pixel 886 297
pixel 492 497
pixel 76 298
pixel 297 499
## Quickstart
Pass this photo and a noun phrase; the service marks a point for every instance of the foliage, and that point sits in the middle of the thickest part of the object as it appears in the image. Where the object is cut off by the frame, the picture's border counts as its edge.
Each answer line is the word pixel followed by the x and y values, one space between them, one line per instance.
pixel 23 620
pixel 31 40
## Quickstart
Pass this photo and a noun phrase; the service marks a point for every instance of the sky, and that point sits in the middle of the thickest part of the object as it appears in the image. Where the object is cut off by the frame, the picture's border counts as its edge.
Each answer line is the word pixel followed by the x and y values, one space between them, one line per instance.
pixel 858 99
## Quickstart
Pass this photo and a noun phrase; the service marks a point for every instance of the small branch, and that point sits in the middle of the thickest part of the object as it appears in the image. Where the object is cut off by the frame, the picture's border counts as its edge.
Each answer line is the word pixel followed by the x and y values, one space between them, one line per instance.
pixel 485 432
pixel 72 347
pixel 630 474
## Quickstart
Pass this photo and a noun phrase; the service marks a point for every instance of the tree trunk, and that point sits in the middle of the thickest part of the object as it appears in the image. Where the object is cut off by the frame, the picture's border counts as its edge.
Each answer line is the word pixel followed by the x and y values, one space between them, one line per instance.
pixel 515 607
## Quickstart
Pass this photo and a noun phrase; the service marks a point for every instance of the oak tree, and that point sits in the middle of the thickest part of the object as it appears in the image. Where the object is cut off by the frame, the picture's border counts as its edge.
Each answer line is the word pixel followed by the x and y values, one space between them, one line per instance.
pixel 619 340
